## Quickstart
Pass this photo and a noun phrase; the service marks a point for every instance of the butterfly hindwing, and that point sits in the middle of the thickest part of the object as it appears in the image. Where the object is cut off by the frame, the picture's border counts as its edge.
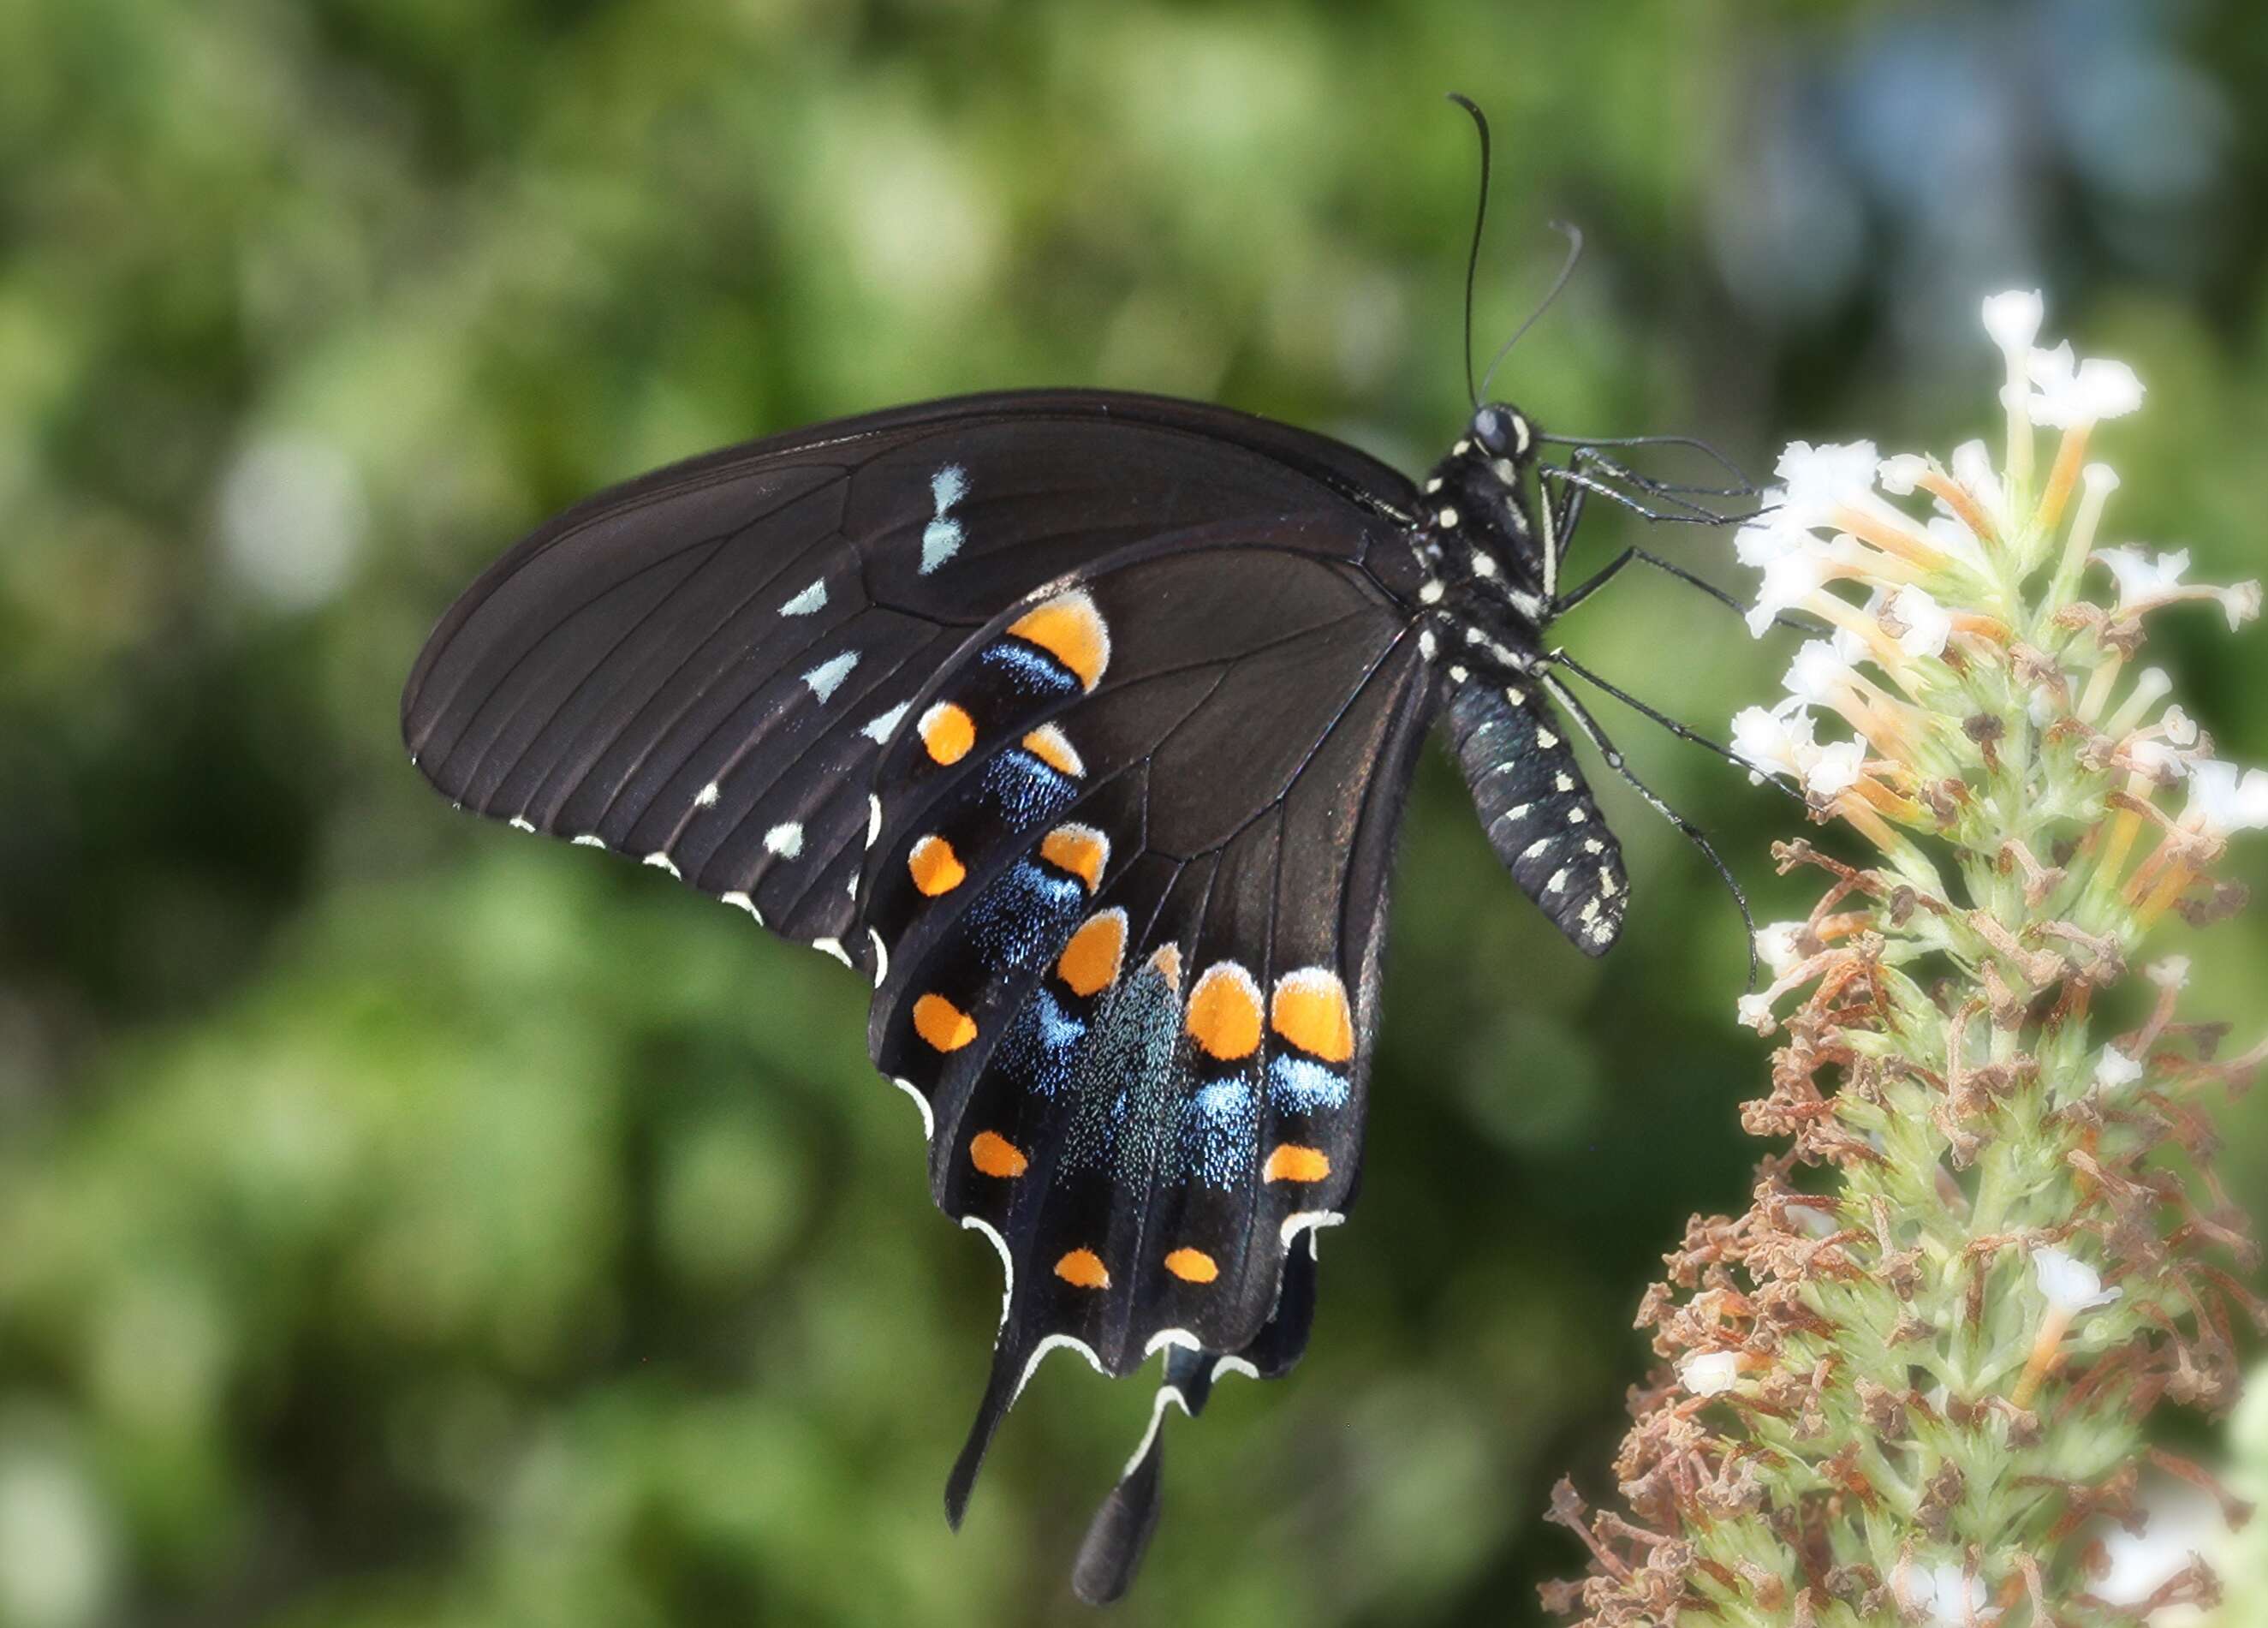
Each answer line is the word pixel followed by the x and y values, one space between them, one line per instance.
pixel 1132 902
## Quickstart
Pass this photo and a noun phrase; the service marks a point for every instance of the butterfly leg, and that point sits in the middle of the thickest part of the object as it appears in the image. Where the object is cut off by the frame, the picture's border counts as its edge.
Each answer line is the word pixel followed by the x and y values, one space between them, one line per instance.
pixel 1561 659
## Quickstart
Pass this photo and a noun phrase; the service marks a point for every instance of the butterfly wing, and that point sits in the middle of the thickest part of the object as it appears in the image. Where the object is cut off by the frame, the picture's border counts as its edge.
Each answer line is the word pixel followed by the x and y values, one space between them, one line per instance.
pixel 1129 864
pixel 698 668
pixel 1079 723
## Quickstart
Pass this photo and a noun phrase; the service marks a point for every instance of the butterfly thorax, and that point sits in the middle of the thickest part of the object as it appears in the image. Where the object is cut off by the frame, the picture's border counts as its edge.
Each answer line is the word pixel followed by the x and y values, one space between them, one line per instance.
pixel 1490 568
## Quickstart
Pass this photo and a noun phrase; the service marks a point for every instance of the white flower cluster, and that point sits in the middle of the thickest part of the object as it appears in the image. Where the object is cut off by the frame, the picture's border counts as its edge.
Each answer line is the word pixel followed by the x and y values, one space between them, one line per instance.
pixel 1918 584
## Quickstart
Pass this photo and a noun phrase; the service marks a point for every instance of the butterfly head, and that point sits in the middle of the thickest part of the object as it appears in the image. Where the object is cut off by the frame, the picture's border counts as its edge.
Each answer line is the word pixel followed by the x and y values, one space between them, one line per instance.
pixel 1502 431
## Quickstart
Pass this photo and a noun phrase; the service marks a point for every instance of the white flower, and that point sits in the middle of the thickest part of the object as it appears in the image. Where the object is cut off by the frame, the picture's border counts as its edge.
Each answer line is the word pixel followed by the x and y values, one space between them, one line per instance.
pixel 1776 945
pixel 1927 626
pixel 2179 727
pixel 2069 1284
pixel 2156 757
pixel 1820 478
pixel 2013 319
pixel 2114 1069
pixel 2223 799
pixel 1819 674
pixel 2184 1524
pixel 2066 390
pixel 2240 604
pixel 1834 770
pixel 2142 581
pixel 1775 531
pixel 2171 973
pixel 1901 473
pixel 1789 579
pixel 1951 1595
pixel 1755 1012
pixel 1709 1372
pixel 1780 742
pixel 1972 467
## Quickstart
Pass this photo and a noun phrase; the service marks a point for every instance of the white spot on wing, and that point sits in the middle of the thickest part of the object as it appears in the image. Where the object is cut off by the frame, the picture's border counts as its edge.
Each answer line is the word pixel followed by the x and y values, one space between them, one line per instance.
pixel 1545 738
pixel 1056 1342
pixel 878 731
pixel 832 947
pixel 1310 1221
pixel 518 823
pixel 881 957
pixel 978 1223
pixel 662 862
pixel 785 840
pixel 1166 1394
pixel 948 486
pixel 1233 1364
pixel 741 901
pixel 828 676
pixel 812 600
pixel 706 798
pixel 590 839
pixel 941 538
pixel 941 541
pixel 873 818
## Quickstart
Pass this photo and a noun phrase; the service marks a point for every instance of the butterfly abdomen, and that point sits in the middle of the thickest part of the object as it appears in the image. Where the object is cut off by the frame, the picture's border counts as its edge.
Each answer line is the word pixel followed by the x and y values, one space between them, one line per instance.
pixel 1538 812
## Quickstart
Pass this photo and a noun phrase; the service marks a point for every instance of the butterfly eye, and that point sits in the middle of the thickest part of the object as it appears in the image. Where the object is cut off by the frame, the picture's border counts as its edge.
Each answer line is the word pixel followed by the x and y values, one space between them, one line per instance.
pixel 1489 431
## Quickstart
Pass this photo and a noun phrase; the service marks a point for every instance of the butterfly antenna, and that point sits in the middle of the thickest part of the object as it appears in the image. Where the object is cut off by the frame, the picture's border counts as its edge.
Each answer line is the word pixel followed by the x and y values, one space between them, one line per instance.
pixel 1480 219
pixel 1574 236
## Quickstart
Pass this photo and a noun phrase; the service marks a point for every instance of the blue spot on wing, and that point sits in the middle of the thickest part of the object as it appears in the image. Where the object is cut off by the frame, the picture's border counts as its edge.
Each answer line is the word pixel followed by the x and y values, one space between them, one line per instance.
pixel 1219 1134
pixel 1022 919
pixel 1030 672
pixel 1024 791
pixel 1040 1051
pixel 1298 1085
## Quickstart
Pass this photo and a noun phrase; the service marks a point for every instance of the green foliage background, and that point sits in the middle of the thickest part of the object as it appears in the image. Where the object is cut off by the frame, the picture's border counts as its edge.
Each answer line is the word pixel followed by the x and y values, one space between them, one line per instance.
pixel 403 1223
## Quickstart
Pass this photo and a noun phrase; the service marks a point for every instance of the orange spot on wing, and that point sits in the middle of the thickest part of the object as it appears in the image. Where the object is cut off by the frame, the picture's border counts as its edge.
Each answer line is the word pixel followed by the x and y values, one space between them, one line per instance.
pixel 1090 960
pixel 1224 1015
pixel 995 1154
pixel 1052 748
pixel 1069 628
pixel 1192 1266
pixel 1310 1010
pixel 941 1023
pixel 936 868
pixel 948 732
pixel 1290 1163
pixel 1083 1268
pixel 1079 849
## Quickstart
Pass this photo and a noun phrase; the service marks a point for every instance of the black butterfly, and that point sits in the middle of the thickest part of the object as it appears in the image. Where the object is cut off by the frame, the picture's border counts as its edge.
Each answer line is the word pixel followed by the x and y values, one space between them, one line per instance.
pixel 1080 723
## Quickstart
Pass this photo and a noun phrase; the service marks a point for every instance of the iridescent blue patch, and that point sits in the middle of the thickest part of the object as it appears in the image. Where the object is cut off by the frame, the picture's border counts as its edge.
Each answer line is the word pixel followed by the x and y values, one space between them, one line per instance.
pixel 1021 919
pixel 1026 791
pixel 1030 672
pixel 1220 1131
pixel 1298 1085
pixel 1040 1051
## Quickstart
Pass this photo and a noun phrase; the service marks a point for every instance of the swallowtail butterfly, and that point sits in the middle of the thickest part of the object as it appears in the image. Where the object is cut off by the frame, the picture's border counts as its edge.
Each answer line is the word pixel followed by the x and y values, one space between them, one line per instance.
pixel 1079 723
